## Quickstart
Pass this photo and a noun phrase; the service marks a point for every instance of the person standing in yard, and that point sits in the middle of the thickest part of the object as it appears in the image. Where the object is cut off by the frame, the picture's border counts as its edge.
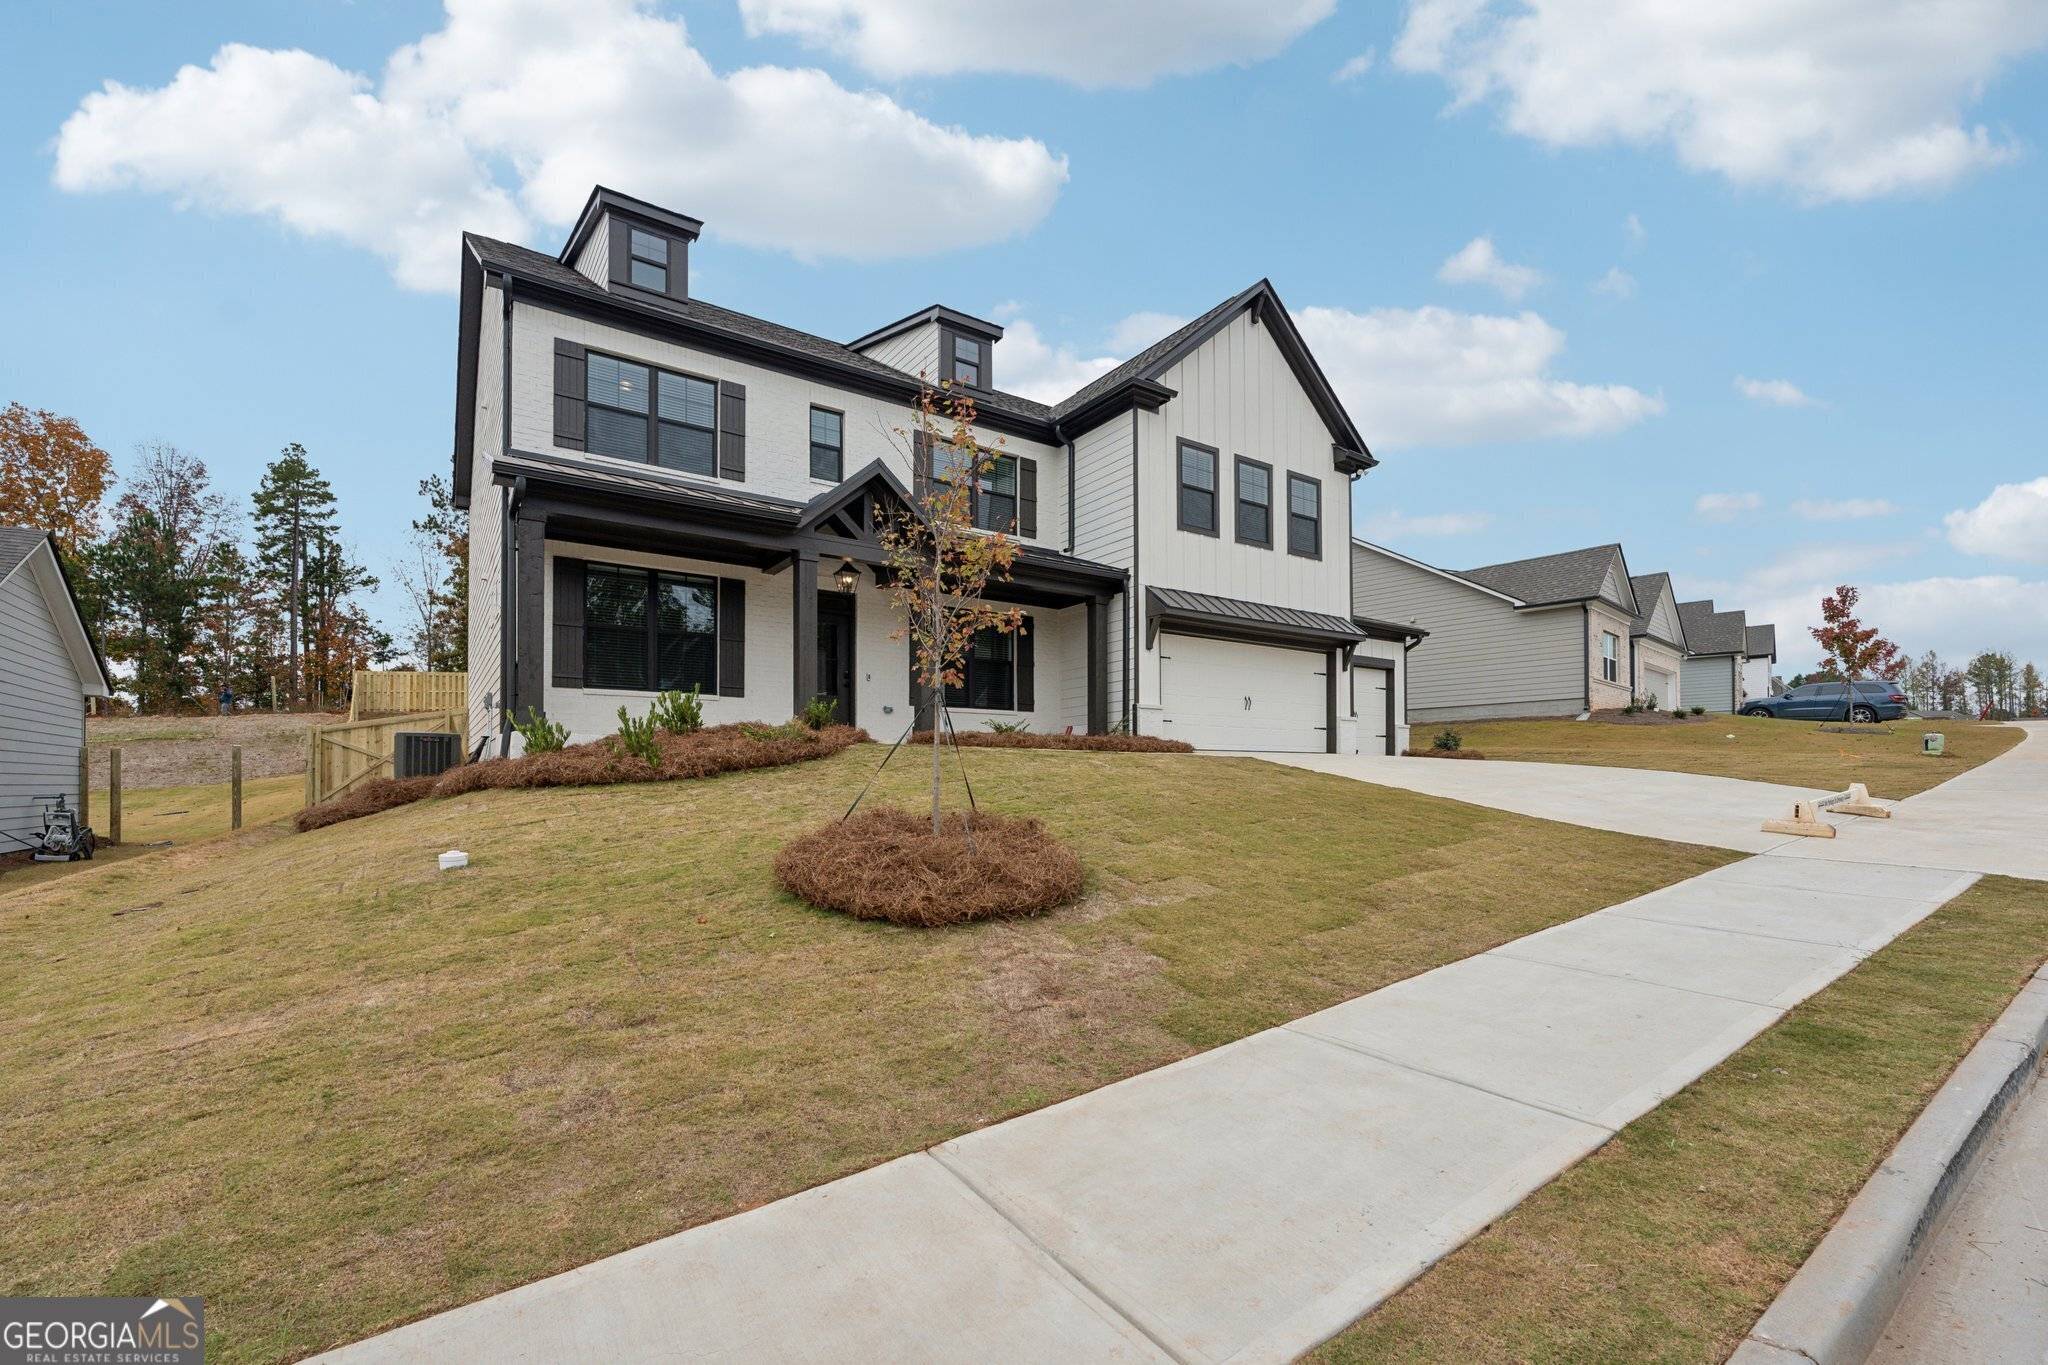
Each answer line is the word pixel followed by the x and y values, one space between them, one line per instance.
pixel 227 698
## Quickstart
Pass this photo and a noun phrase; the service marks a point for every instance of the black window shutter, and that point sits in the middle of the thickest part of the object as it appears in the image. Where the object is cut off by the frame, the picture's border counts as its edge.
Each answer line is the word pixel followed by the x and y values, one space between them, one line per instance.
pixel 619 252
pixel 1027 685
pixel 732 430
pixel 732 637
pixel 570 386
pixel 1027 497
pixel 568 641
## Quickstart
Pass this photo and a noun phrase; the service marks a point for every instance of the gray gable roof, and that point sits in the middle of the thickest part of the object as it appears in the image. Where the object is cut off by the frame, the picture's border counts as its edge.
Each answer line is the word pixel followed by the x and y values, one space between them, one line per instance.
pixel 1760 642
pixel 1711 632
pixel 1574 576
pixel 1648 587
pixel 16 544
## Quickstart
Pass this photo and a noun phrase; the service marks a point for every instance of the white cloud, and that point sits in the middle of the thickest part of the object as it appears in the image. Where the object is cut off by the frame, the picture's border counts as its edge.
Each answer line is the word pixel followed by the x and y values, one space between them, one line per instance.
pixel 1843 509
pixel 1478 263
pixel 1725 506
pixel 1082 42
pixel 1356 67
pixel 1432 376
pixel 1134 333
pixel 1632 228
pixel 1834 100
pixel 559 98
pixel 1777 393
pixel 1028 364
pixel 1387 527
pixel 2011 524
pixel 1616 283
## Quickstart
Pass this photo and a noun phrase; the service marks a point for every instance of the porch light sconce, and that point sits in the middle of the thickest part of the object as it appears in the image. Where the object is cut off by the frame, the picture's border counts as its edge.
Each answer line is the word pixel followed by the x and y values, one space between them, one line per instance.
pixel 847 575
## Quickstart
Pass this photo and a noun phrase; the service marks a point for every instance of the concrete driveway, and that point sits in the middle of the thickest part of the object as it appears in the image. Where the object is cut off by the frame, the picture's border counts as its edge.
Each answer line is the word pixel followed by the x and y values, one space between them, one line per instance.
pixel 1723 811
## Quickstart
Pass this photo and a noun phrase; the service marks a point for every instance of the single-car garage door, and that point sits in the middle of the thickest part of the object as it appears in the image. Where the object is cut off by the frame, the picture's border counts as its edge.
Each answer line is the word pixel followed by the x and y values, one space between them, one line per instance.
pixel 1660 687
pixel 1224 694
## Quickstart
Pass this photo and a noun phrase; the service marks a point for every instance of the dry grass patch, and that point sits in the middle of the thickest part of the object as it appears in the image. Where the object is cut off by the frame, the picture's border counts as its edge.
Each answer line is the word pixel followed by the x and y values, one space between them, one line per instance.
pixel 1025 739
pixel 1794 753
pixel 333 1089
pixel 1668 1243
pixel 886 864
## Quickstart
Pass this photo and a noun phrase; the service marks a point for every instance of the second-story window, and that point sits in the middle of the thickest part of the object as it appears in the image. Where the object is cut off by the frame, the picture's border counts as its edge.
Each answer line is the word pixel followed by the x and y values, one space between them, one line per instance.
pixel 1254 503
pixel 828 452
pixel 967 361
pixel 992 496
pixel 620 398
pixel 649 268
pixel 1197 505
pixel 1304 516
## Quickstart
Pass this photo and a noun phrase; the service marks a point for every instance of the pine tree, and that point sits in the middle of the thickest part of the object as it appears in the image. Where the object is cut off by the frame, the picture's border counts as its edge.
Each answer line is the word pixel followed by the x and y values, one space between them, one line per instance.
pixel 2030 691
pixel 434 573
pixel 294 507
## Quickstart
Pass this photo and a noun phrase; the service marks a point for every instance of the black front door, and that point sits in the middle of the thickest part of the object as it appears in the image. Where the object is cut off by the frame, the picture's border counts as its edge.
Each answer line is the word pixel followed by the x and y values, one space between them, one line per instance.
pixel 835 652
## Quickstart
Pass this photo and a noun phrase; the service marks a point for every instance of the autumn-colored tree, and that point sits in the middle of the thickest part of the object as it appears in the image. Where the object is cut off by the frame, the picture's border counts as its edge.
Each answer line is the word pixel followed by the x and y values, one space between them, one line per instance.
pixel 1852 649
pixel 939 562
pixel 52 477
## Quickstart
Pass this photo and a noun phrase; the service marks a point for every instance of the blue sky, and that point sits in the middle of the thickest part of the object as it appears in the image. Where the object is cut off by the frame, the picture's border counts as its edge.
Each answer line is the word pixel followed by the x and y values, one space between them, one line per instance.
pixel 263 249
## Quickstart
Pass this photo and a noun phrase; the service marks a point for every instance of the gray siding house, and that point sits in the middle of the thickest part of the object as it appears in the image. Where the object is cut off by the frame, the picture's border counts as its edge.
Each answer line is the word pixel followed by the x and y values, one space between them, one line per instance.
pixel 1548 636
pixel 1760 654
pixel 48 666
pixel 1716 646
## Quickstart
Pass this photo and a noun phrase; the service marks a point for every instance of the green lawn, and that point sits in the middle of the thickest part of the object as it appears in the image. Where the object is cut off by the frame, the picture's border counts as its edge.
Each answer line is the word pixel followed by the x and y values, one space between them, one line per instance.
pixel 331 1089
pixel 1668 1243
pixel 154 816
pixel 1886 758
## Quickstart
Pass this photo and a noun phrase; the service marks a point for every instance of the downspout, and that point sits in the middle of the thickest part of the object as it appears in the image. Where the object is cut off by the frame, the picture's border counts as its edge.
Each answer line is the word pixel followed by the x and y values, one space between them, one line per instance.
pixel 508 623
pixel 1586 652
pixel 1131 624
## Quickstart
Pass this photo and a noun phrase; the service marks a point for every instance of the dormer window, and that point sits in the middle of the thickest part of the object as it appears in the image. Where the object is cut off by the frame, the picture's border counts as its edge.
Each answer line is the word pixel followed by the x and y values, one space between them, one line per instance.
pixel 968 360
pixel 649 260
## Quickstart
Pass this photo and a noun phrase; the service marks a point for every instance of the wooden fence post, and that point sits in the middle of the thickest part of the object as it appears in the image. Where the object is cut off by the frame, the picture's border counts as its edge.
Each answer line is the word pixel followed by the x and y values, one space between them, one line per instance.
pixel 235 789
pixel 312 763
pixel 84 786
pixel 113 796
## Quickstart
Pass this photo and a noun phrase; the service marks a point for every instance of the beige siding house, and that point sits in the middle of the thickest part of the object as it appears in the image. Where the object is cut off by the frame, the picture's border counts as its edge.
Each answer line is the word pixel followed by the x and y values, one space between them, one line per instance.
pixel 1548 636
pixel 1657 643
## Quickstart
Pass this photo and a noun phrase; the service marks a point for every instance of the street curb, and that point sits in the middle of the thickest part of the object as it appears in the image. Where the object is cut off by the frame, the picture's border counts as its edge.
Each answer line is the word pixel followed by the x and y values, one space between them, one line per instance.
pixel 1835 1310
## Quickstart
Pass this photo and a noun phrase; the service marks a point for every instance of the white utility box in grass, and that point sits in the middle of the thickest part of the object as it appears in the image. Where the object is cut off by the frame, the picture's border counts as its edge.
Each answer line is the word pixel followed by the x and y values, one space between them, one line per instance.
pixel 1933 743
pixel 453 859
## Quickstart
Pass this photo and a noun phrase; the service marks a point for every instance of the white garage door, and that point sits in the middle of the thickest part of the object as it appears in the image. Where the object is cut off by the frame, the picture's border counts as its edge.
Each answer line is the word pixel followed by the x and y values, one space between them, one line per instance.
pixel 1222 694
pixel 1661 686
pixel 1372 709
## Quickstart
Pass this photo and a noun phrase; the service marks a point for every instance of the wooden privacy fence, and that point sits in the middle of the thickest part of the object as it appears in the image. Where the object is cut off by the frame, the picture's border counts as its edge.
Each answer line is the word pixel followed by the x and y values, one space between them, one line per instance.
pixel 340 756
pixel 406 694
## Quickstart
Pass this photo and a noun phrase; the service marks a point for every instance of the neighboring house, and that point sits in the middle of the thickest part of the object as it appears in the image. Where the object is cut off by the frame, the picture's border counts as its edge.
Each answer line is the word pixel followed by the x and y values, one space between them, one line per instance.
pixel 1547 636
pixel 666 493
pixel 49 665
pixel 1656 643
pixel 1759 652
pixel 1715 647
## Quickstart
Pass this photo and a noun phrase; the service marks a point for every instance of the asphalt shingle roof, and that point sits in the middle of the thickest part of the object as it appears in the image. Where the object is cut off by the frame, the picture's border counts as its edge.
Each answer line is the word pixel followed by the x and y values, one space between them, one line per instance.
pixel 16 544
pixel 1760 642
pixel 1145 359
pixel 1647 587
pixel 1572 576
pixel 1711 632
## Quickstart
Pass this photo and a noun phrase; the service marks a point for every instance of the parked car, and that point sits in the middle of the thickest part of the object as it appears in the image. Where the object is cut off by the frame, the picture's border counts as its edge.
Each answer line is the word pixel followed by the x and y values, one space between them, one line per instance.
pixel 1875 700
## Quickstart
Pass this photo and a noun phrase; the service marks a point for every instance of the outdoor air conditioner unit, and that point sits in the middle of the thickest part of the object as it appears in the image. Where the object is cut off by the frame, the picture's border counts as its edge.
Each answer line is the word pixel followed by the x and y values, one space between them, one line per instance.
pixel 424 753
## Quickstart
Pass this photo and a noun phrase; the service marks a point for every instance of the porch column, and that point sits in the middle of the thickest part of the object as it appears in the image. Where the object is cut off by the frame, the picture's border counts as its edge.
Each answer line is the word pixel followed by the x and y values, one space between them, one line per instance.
pixel 1098 666
pixel 529 615
pixel 804 622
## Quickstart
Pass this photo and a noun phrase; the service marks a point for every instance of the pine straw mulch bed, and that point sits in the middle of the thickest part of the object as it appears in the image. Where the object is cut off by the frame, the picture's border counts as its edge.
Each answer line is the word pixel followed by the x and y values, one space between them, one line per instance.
pixel 1101 744
pixel 1444 753
pixel 884 864
pixel 706 753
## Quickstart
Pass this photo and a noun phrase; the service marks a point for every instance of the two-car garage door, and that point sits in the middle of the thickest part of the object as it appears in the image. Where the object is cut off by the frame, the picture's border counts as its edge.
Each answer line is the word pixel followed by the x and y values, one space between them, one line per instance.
pixel 1225 694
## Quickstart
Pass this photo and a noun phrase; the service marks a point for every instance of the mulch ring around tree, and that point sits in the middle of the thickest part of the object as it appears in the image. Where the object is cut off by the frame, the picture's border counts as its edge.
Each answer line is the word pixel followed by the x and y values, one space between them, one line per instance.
pixel 1024 739
pixel 703 753
pixel 884 863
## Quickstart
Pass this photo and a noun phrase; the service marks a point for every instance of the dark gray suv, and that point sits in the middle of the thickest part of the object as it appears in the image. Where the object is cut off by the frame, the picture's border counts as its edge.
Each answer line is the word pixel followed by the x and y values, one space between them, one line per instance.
pixel 1875 700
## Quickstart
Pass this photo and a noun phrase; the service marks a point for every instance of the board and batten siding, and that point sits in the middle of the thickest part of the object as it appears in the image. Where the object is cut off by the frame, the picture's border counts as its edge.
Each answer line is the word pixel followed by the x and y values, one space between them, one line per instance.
pixel 486 526
pixel 1104 495
pixel 778 415
pixel 1709 682
pixel 1482 657
pixel 42 709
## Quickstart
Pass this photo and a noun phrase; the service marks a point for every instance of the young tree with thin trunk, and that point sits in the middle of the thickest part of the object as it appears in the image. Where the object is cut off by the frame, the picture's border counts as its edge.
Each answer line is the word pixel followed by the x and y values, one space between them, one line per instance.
pixel 939 562
pixel 294 506
pixel 52 477
pixel 1852 649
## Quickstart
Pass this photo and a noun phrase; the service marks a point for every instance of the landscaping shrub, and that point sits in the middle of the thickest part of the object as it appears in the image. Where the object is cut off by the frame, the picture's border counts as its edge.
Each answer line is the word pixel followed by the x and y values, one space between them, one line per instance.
pixel 1447 741
pixel 1444 753
pixel 1699 710
pixel 713 750
pixel 1008 727
pixel 1023 739
pixel 818 712
pixel 679 713
pixel 542 735
pixel 636 737
pixel 883 863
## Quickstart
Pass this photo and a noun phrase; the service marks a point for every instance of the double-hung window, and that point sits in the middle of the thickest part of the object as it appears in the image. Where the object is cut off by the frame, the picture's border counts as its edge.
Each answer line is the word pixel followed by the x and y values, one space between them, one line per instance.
pixel 648 268
pixel 635 412
pixel 1610 656
pixel 1304 516
pixel 1254 503
pixel 828 449
pixel 1197 497
pixel 991 491
pixel 991 674
pixel 649 631
pixel 967 361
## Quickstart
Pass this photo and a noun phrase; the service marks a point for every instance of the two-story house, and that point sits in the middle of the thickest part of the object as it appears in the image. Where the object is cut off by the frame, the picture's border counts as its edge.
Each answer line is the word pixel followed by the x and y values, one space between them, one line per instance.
pixel 664 493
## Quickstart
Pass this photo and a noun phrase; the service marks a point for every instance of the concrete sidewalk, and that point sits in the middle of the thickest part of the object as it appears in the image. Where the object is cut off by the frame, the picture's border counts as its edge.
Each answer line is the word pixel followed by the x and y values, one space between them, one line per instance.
pixel 1248 1202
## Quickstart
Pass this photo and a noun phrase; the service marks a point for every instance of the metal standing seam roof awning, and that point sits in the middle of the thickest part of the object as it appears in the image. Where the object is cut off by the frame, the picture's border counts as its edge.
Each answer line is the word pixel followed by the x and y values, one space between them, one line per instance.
pixel 1200 613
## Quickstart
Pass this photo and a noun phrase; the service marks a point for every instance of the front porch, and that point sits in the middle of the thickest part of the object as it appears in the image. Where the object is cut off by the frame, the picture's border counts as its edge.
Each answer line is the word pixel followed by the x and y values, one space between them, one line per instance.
pixel 625 584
